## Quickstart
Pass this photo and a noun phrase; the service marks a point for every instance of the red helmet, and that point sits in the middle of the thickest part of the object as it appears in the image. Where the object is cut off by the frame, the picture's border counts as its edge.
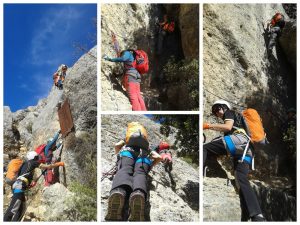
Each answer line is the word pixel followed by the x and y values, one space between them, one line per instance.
pixel 163 145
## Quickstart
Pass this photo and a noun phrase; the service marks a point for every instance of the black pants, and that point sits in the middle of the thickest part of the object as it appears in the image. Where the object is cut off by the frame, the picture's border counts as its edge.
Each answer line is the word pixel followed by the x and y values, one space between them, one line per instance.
pixel 132 175
pixel 248 199
pixel 160 41
pixel 16 208
pixel 274 34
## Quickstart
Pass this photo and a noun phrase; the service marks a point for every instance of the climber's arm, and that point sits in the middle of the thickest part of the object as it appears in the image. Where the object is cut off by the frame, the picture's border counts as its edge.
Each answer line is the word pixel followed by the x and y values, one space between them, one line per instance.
pixel 126 56
pixel 51 166
pixel 226 127
pixel 49 145
pixel 155 157
pixel 119 145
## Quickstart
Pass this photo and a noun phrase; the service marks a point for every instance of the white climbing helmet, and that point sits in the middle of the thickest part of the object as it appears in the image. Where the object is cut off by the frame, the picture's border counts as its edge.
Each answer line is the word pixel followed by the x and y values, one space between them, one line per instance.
pixel 31 155
pixel 222 102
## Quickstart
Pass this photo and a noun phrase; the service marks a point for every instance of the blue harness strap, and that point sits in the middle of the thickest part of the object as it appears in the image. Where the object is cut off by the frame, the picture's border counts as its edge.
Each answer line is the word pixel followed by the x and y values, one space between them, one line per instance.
pixel 144 160
pixel 137 160
pixel 15 191
pixel 247 159
pixel 232 149
pixel 126 154
pixel 230 145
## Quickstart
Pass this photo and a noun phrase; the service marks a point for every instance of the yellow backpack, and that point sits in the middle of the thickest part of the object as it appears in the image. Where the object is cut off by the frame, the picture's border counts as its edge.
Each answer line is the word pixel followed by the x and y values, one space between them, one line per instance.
pixel 136 136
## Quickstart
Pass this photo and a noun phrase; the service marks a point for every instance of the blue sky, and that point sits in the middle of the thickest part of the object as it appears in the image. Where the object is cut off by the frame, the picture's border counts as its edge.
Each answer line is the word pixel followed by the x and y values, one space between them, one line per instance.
pixel 37 39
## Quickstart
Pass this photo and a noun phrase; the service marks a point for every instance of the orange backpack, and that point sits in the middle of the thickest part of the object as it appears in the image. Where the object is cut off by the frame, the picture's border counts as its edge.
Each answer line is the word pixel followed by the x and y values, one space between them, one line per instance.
pixel 254 126
pixel 277 18
pixel 13 168
pixel 136 135
pixel 169 27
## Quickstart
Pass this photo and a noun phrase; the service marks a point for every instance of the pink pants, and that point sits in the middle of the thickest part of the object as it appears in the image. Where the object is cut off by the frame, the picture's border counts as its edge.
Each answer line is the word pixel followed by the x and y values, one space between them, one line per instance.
pixel 135 97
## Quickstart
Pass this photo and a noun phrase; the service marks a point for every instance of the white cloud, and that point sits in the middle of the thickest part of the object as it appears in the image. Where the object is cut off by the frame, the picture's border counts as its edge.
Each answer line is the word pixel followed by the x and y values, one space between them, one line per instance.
pixel 49 37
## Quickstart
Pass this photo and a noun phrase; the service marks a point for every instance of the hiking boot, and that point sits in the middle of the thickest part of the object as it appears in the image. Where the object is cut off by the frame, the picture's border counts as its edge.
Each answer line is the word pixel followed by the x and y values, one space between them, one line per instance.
pixel 258 218
pixel 137 206
pixel 115 205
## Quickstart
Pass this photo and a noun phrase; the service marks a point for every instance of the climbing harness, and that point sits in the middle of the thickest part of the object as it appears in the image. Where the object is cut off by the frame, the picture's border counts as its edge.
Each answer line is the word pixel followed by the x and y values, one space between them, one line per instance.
pixel 232 149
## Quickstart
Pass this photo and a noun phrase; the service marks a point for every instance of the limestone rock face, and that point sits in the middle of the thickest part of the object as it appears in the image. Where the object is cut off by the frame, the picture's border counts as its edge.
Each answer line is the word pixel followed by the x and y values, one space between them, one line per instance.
pixel 288 42
pixel 10 137
pixel 189 27
pixel 220 201
pixel 33 126
pixel 173 196
pixel 238 69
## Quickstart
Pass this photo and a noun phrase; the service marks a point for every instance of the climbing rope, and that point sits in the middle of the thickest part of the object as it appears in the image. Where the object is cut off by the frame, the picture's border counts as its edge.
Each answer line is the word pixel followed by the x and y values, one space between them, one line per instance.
pixel 241 106
pixel 244 107
pixel 110 172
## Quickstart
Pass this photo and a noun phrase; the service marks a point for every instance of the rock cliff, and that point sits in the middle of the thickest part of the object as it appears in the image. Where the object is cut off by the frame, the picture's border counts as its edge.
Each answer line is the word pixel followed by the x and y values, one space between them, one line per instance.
pixel 238 69
pixel 135 28
pixel 173 196
pixel 26 129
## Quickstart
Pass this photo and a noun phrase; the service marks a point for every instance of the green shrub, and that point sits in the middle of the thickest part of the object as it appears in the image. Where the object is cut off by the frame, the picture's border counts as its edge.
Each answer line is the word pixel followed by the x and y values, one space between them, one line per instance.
pixel 184 73
pixel 29 127
pixel 83 205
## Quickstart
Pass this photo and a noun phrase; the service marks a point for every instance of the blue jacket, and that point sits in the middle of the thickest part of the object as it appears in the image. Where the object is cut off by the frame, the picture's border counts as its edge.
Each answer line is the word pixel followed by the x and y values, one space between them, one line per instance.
pixel 127 58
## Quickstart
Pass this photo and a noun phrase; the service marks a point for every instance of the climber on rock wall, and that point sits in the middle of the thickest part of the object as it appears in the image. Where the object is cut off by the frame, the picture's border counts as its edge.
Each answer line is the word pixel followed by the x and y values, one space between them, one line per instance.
pixel 164 27
pixel 59 76
pixel 13 168
pixel 25 180
pixel 131 79
pixel 274 27
pixel 163 149
pixel 45 153
pixel 135 160
pixel 221 146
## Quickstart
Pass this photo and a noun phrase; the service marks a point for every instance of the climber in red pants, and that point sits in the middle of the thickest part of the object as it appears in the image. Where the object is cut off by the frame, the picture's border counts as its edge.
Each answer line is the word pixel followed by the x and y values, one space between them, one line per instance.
pixel 131 80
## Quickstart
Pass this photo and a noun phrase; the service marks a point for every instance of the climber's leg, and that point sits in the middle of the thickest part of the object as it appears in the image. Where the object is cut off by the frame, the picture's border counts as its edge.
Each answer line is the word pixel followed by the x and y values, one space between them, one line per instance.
pixel 215 147
pixel 273 37
pixel 140 98
pixel 249 199
pixel 16 207
pixel 137 198
pixel 133 96
pixel 121 186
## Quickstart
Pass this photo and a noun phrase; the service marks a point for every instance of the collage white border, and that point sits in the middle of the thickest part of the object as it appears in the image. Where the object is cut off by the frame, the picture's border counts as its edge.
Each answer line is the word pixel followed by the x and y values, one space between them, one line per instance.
pixel 100 112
